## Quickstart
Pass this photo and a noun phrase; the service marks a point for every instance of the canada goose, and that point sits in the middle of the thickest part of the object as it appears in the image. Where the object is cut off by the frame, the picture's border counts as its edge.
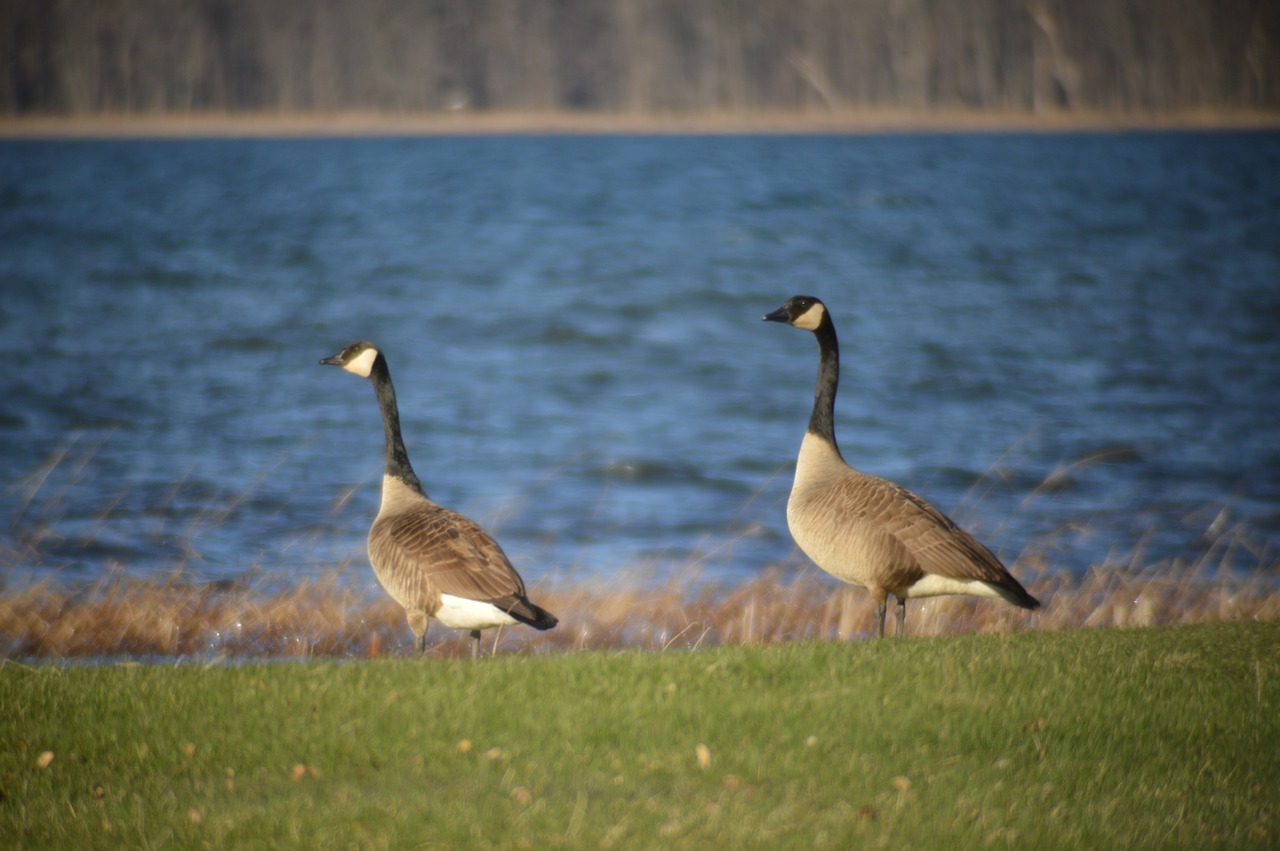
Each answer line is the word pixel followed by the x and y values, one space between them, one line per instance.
pixel 433 561
pixel 868 531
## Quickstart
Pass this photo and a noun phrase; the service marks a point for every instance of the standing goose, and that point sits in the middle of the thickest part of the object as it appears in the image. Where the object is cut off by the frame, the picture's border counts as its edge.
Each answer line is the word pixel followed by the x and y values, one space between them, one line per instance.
pixel 433 561
pixel 865 530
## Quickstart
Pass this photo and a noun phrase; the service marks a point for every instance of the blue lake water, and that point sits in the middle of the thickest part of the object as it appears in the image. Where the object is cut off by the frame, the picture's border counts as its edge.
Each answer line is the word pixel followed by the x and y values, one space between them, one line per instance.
pixel 1069 342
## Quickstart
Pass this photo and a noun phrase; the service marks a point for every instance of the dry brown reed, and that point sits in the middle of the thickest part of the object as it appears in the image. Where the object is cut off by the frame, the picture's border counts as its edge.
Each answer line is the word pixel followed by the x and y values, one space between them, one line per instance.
pixel 1232 577
pixel 124 617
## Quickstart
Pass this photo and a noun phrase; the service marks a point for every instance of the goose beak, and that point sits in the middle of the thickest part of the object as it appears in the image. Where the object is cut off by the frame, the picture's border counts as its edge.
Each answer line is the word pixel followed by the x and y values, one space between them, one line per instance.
pixel 333 361
pixel 779 315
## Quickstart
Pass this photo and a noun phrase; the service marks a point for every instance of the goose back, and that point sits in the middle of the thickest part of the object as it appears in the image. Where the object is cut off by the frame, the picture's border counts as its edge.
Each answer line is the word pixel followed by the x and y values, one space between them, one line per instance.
pixel 421 551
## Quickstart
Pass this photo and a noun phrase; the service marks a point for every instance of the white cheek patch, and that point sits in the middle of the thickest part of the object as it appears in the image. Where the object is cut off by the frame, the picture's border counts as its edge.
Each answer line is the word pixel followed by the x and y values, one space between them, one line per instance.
pixel 362 364
pixel 811 318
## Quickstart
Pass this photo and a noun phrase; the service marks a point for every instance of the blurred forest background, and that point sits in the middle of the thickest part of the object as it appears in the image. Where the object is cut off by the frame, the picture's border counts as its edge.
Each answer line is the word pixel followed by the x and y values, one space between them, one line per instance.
pixel 93 57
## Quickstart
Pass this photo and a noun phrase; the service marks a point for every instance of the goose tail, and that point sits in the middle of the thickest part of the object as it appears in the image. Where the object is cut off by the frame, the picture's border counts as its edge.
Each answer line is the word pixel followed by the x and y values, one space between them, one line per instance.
pixel 527 612
pixel 1013 592
pixel 543 619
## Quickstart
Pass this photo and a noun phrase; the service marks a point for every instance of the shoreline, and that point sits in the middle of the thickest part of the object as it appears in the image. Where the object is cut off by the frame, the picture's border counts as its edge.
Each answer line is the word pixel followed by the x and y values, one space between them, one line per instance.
pixel 341 615
pixel 862 122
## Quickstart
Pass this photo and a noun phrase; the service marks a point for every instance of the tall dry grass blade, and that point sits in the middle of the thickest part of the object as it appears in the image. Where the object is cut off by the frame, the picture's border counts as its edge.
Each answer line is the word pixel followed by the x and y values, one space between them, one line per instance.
pixel 125 617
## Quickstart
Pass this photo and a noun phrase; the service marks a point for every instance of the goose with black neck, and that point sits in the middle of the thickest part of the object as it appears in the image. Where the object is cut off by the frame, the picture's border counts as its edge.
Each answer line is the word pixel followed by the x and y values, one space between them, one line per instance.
pixel 434 562
pixel 866 530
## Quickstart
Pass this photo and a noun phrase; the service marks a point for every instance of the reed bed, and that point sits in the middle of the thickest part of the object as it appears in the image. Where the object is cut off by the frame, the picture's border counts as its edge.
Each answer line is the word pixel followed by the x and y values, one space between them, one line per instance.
pixel 174 619
pixel 1231 576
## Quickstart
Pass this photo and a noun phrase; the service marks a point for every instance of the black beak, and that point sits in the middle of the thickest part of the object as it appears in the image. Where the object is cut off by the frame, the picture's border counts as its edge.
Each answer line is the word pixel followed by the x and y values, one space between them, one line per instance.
pixel 779 315
pixel 333 361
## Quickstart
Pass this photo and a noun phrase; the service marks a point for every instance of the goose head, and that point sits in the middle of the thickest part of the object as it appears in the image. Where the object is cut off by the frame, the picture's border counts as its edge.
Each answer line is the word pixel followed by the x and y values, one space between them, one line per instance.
pixel 357 358
pixel 802 311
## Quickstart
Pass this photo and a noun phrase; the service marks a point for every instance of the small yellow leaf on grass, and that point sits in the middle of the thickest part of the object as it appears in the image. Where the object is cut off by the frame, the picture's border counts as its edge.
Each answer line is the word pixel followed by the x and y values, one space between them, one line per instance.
pixel 44 759
pixel 811 741
pixel 902 784
pixel 521 795
pixel 704 755
pixel 189 750
pixel 299 771
pixel 464 746
pixel 494 754
pixel 193 815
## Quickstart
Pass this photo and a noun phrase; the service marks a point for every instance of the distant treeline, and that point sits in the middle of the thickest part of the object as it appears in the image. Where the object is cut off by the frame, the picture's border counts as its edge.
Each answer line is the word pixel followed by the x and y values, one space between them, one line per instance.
pixel 79 57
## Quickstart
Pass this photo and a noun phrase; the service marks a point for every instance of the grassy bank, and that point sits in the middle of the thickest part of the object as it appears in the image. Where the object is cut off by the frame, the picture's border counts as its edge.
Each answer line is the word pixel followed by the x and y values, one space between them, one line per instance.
pixel 1165 737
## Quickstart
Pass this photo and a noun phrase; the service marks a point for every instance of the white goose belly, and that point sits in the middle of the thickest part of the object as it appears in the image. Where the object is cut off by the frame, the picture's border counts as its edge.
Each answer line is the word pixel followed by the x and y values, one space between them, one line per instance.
pixel 461 613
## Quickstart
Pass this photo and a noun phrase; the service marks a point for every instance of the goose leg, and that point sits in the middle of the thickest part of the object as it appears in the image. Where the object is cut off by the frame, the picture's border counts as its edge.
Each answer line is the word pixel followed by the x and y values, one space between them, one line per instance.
pixel 475 644
pixel 418 623
pixel 902 618
pixel 881 597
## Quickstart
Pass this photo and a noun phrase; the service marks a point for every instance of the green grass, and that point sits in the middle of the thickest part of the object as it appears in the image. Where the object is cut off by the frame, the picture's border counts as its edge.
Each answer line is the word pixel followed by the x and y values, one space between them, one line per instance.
pixel 1166 737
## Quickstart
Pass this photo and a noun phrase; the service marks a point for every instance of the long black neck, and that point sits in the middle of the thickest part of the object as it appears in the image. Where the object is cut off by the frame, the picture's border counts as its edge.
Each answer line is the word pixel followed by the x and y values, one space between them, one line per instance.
pixel 396 456
pixel 822 420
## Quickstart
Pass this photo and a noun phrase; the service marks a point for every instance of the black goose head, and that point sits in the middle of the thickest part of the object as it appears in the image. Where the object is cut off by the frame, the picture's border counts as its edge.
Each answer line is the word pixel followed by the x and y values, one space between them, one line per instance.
pixel 357 358
pixel 802 311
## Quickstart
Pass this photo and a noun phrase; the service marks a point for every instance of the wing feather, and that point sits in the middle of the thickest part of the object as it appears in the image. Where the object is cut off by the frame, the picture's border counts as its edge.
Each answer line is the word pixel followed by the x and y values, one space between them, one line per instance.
pixel 932 540
pixel 433 546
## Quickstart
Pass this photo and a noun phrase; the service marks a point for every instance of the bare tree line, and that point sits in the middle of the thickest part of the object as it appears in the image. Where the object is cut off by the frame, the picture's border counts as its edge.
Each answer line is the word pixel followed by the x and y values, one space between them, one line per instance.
pixel 79 57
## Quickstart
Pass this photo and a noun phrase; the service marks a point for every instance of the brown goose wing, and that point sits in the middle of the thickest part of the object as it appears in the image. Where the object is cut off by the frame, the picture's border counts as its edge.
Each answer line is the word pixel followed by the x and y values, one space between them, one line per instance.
pixel 441 548
pixel 933 539
pixel 514 602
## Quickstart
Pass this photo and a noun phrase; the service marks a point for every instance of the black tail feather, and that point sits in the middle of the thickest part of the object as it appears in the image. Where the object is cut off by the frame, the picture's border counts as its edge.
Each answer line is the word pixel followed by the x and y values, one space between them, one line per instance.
pixel 1016 594
pixel 527 612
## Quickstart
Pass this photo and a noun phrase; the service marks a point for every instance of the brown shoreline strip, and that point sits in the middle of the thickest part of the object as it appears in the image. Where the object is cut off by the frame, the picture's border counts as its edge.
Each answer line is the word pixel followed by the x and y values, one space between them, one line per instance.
pixel 356 124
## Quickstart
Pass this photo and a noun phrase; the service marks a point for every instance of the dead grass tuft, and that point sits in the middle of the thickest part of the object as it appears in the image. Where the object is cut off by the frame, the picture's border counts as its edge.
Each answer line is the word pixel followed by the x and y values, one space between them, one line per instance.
pixel 1231 577
pixel 132 618
pixel 127 617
